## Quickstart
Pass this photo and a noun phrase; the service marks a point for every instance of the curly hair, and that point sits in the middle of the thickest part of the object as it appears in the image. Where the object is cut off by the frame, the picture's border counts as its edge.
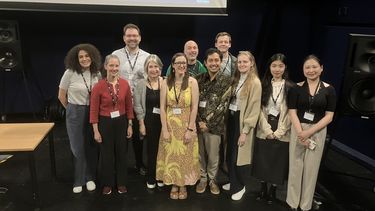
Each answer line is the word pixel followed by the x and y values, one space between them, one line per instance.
pixel 72 62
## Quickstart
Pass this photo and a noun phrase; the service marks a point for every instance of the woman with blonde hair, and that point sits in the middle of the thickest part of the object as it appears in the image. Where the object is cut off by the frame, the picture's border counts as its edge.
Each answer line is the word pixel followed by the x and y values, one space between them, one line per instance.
pixel 243 116
pixel 147 108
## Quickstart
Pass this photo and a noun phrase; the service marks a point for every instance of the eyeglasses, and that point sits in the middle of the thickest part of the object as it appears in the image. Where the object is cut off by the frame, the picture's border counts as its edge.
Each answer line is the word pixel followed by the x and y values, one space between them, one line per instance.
pixel 180 63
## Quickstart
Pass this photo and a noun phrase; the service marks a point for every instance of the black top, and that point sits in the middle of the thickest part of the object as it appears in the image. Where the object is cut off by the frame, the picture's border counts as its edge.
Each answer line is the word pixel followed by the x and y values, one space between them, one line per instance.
pixel 300 99
pixel 152 99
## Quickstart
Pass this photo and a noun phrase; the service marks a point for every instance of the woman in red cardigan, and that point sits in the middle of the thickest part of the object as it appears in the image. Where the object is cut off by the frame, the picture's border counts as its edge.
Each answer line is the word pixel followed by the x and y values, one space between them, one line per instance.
pixel 111 115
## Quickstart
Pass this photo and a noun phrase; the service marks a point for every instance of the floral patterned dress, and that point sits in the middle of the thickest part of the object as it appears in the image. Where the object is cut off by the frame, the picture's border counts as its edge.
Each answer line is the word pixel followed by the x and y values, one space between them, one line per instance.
pixel 178 163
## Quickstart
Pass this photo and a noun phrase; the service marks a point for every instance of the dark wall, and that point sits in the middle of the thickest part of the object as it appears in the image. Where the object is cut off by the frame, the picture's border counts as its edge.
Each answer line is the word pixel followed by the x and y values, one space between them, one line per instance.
pixel 263 27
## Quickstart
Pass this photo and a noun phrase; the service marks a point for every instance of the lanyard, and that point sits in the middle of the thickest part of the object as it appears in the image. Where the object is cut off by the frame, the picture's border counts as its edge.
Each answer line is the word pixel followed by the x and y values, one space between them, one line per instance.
pixel 226 65
pixel 132 66
pixel 278 95
pixel 311 98
pixel 114 96
pixel 175 93
pixel 87 87
pixel 239 88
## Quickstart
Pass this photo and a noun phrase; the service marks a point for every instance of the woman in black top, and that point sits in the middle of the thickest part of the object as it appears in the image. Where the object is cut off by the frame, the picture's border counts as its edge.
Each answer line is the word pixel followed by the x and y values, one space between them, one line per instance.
pixel 311 107
pixel 147 108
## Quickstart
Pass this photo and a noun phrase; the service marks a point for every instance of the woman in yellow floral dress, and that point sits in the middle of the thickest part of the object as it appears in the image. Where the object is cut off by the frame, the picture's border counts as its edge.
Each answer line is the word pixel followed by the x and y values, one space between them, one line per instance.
pixel 178 161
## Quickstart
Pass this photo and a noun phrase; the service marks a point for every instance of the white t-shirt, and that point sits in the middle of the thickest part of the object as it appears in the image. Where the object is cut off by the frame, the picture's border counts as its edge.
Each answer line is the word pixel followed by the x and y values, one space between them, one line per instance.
pixel 74 84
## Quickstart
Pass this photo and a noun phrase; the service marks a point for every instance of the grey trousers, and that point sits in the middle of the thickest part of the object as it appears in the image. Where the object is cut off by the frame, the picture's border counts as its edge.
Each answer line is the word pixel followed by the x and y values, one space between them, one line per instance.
pixel 303 169
pixel 209 156
pixel 84 148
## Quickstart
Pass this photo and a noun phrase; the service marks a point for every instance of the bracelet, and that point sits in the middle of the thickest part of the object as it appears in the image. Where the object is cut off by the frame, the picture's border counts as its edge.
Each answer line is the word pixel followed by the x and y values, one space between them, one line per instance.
pixel 130 124
pixel 189 129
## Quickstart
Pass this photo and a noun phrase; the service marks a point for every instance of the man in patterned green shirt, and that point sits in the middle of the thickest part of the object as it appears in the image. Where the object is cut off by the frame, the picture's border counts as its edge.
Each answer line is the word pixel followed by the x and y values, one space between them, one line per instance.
pixel 214 95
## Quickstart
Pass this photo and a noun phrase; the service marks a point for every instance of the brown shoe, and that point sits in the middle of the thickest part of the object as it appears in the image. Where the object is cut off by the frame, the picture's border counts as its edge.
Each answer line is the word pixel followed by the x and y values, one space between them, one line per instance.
pixel 214 188
pixel 107 190
pixel 122 189
pixel 174 192
pixel 183 193
pixel 201 187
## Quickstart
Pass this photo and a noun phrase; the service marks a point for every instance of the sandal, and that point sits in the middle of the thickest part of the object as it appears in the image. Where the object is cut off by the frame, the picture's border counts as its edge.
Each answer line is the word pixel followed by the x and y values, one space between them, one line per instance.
pixel 174 193
pixel 183 193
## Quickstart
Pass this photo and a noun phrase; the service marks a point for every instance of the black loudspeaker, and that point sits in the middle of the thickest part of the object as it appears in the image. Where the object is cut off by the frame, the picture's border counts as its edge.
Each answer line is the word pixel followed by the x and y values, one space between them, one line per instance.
pixel 358 89
pixel 10 47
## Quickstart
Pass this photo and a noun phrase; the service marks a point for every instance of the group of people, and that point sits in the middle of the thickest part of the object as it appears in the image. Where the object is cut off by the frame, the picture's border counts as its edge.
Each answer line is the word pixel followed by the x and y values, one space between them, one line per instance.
pixel 277 126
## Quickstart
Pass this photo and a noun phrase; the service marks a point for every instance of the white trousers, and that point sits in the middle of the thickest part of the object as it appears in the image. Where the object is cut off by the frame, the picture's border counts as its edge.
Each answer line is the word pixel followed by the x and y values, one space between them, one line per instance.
pixel 303 169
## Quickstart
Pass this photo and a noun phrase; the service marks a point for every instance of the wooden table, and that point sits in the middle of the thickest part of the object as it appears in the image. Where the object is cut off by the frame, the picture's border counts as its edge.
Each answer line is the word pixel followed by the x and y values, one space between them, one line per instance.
pixel 25 137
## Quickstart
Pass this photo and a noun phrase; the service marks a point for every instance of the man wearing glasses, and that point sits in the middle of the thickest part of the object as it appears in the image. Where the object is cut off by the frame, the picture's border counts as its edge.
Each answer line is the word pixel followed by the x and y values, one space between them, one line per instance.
pixel 132 60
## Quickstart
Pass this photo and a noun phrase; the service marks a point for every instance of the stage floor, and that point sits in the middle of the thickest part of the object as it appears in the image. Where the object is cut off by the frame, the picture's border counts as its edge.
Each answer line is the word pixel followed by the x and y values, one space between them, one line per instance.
pixel 335 191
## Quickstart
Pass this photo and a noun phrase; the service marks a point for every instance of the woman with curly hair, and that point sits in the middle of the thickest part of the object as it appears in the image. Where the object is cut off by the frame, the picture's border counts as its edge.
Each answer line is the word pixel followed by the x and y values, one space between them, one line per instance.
pixel 82 63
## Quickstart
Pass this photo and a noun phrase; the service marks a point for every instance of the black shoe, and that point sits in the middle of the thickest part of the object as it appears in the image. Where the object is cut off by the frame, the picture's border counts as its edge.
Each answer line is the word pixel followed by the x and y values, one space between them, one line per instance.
pixel 271 194
pixel 263 191
pixel 142 171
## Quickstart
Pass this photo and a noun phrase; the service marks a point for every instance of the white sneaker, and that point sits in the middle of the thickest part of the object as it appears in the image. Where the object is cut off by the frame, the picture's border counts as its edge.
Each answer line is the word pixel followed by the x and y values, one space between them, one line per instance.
pixel 160 184
pixel 150 186
pixel 226 186
pixel 77 189
pixel 237 196
pixel 90 185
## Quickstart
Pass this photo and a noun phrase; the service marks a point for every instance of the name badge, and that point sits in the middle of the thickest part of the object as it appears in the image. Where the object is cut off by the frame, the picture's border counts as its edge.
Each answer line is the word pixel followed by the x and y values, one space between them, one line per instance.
pixel 274 112
pixel 309 116
pixel 156 110
pixel 177 111
pixel 115 114
pixel 202 104
pixel 233 107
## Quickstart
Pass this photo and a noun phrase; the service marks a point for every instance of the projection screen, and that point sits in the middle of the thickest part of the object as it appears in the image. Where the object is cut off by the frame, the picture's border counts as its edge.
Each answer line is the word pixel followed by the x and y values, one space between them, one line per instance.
pixel 184 7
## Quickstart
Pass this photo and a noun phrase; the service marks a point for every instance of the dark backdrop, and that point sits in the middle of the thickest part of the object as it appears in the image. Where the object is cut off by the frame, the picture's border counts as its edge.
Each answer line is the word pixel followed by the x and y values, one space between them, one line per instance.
pixel 263 27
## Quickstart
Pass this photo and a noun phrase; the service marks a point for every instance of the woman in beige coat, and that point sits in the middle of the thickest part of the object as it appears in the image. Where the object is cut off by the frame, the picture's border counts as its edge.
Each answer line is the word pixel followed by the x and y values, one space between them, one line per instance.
pixel 244 112
pixel 271 147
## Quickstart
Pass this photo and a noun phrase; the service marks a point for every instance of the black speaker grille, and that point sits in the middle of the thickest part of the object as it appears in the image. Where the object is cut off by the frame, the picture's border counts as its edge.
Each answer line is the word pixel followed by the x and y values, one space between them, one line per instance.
pixel 362 96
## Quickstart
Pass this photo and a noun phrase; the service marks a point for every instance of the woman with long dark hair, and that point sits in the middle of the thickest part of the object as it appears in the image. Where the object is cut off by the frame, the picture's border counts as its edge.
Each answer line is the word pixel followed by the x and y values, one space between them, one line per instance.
pixel 178 158
pixel 271 146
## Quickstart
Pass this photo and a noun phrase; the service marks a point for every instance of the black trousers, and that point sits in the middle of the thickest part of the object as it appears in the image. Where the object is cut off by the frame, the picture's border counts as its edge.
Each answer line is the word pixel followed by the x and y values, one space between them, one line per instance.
pixel 236 173
pixel 113 150
pixel 153 130
pixel 137 144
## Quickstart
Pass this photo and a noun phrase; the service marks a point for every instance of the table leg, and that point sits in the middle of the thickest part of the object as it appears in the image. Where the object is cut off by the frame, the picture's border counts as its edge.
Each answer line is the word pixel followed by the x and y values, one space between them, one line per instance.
pixel 34 182
pixel 52 154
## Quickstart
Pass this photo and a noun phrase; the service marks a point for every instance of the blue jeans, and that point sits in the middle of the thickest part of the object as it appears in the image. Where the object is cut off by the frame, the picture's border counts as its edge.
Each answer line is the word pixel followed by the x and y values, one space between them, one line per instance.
pixel 83 146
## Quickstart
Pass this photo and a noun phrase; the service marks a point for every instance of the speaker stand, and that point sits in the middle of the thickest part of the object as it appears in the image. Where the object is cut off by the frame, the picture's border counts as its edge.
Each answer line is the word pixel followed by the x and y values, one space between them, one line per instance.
pixel 3 96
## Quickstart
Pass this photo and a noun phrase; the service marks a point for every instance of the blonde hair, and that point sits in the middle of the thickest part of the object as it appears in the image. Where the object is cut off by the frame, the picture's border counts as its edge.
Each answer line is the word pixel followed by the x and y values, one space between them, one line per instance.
pixel 253 73
pixel 152 58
